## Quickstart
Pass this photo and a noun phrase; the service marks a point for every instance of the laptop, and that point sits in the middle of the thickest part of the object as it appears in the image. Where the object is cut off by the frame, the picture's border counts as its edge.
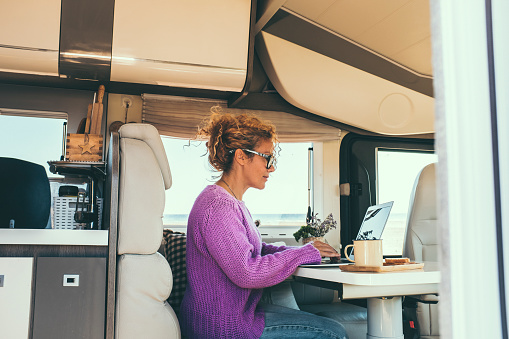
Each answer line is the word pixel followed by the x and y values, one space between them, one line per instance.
pixel 371 228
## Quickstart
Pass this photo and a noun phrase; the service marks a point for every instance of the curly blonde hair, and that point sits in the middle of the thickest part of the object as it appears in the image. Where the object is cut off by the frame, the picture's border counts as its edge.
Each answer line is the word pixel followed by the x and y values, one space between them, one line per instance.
pixel 226 132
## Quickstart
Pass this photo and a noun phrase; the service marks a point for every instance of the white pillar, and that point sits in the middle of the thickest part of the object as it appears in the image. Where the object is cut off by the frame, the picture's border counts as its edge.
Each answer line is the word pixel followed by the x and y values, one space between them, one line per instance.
pixel 469 292
pixel 380 309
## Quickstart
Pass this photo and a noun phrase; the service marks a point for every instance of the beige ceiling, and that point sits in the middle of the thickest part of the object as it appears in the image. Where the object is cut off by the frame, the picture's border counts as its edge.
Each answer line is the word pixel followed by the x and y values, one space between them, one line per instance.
pixel 396 29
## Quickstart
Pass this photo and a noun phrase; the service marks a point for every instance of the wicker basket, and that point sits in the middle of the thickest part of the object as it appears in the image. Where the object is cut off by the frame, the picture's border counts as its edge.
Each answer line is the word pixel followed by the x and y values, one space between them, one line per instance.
pixel 64 209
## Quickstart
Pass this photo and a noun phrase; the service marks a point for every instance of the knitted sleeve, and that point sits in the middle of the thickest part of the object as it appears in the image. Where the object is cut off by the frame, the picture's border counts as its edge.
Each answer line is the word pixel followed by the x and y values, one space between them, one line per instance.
pixel 228 243
pixel 271 249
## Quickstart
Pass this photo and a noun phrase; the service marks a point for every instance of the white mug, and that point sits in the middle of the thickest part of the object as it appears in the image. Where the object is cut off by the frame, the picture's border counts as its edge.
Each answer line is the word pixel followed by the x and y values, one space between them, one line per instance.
pixel 367 253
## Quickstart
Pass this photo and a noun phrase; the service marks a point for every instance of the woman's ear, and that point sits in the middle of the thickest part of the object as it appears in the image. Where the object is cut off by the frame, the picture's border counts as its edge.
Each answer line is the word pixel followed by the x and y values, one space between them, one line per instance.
pixel 240 156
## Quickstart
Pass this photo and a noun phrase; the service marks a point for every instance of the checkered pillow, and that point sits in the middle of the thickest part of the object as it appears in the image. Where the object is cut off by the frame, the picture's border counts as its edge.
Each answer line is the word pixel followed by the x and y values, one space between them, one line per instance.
pixel 175 252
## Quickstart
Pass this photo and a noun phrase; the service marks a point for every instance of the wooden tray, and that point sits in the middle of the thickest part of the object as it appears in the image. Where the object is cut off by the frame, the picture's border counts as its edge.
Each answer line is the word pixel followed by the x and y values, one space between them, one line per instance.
pixel 387 268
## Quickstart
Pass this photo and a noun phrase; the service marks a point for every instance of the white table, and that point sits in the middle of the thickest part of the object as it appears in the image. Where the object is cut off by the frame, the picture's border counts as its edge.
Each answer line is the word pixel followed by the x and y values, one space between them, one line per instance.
pixel 383 291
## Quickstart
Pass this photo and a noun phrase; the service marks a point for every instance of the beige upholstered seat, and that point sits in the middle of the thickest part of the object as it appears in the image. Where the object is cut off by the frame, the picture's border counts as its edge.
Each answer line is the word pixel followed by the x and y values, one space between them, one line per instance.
pixel 144 278
pixel 422 241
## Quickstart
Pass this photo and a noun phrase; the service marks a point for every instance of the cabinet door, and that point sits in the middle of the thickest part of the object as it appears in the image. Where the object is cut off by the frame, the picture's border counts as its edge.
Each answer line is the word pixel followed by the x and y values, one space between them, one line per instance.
pixel 200 43
pixel 70 298
pixel 15 297
pixel 30 36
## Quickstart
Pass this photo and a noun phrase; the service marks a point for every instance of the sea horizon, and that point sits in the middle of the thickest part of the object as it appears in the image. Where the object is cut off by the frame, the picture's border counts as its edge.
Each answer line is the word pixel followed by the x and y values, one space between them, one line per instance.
pixel 273 219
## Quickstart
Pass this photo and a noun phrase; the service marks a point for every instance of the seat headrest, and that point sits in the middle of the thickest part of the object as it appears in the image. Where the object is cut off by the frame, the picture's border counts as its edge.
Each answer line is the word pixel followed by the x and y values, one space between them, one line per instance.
pixel 421 241
pixel 151 137
pixel 425 194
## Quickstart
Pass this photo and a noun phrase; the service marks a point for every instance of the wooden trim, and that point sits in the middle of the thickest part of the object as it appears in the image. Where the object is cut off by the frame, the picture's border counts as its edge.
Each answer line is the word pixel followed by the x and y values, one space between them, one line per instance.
pixel 111 200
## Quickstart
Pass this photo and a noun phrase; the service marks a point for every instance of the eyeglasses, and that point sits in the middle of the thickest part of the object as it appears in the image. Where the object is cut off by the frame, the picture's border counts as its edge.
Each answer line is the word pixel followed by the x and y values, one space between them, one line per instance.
pixel 270 158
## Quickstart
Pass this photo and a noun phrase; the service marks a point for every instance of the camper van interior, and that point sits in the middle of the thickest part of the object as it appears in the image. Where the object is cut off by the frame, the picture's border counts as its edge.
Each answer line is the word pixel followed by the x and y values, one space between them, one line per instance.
pixel 373 101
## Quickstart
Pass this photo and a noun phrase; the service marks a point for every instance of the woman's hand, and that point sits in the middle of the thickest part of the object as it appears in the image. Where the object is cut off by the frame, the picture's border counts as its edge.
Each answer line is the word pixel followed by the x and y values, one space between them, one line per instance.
pixel 326 250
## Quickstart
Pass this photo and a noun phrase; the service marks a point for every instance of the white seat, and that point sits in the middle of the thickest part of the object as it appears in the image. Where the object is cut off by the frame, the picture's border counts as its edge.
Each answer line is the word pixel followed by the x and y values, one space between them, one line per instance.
pixel 422 243
pixel 144 278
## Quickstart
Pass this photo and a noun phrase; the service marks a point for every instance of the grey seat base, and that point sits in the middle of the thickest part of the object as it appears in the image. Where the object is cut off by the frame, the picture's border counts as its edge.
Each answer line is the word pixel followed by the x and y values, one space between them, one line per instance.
pixel 354 318
pixel 321 301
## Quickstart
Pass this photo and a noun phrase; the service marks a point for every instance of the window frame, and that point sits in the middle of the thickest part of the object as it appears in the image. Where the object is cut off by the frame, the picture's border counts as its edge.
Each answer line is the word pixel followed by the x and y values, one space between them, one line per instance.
pixel 358 165
pixel 39 114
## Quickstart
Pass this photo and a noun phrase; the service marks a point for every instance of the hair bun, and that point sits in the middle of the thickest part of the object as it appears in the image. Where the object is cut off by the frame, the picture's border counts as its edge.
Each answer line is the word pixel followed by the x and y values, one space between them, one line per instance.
pixel 226 132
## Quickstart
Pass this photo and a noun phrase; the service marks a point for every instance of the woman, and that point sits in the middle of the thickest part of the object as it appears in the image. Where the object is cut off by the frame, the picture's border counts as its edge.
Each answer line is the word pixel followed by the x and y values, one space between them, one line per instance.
pixel 227 264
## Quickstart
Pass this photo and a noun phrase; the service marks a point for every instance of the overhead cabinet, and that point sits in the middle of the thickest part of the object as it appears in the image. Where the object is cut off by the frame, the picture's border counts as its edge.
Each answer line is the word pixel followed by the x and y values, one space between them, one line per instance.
pixel 192 44
pixel 338 91
pixel 196 43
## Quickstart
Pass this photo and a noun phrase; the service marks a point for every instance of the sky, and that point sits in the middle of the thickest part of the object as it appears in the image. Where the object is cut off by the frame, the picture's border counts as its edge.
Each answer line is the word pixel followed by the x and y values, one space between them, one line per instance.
pixel 37 140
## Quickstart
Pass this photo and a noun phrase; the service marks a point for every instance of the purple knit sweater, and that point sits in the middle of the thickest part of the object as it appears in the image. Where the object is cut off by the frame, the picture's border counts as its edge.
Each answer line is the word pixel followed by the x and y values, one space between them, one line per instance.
pixel 228 266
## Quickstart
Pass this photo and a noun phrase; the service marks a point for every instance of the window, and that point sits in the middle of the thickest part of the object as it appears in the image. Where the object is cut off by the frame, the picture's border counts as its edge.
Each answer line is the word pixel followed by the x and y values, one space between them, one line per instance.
pixel 396 174
pixel 190 173
pixel 30 138
pixel 283 202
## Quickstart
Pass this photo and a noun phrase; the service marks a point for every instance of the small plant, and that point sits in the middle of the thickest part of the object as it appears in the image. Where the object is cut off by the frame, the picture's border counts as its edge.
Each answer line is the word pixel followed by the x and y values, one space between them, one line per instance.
pixel 314 227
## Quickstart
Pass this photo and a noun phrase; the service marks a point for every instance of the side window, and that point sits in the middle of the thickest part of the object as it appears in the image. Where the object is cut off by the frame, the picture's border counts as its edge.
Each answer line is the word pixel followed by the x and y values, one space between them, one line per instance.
pixel 31 138
pixel 283 202
pixel 190 173
pixel 396 173
pixel 378 170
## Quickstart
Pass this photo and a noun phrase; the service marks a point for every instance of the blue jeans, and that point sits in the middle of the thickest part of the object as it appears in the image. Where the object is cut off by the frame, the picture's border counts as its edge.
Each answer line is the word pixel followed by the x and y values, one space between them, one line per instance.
pixel 282 322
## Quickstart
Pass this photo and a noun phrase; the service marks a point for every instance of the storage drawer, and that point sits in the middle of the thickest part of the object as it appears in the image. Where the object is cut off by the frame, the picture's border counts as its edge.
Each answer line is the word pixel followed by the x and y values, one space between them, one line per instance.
pixel 70 298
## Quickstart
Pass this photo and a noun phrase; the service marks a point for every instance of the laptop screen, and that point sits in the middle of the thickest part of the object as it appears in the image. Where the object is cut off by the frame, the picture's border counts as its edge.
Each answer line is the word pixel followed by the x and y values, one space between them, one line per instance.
pixel 374 222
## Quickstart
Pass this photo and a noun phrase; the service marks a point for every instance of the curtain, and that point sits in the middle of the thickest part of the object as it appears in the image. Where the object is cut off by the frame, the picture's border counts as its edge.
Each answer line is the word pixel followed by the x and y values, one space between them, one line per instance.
pixel 32 113
pixel 180 117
